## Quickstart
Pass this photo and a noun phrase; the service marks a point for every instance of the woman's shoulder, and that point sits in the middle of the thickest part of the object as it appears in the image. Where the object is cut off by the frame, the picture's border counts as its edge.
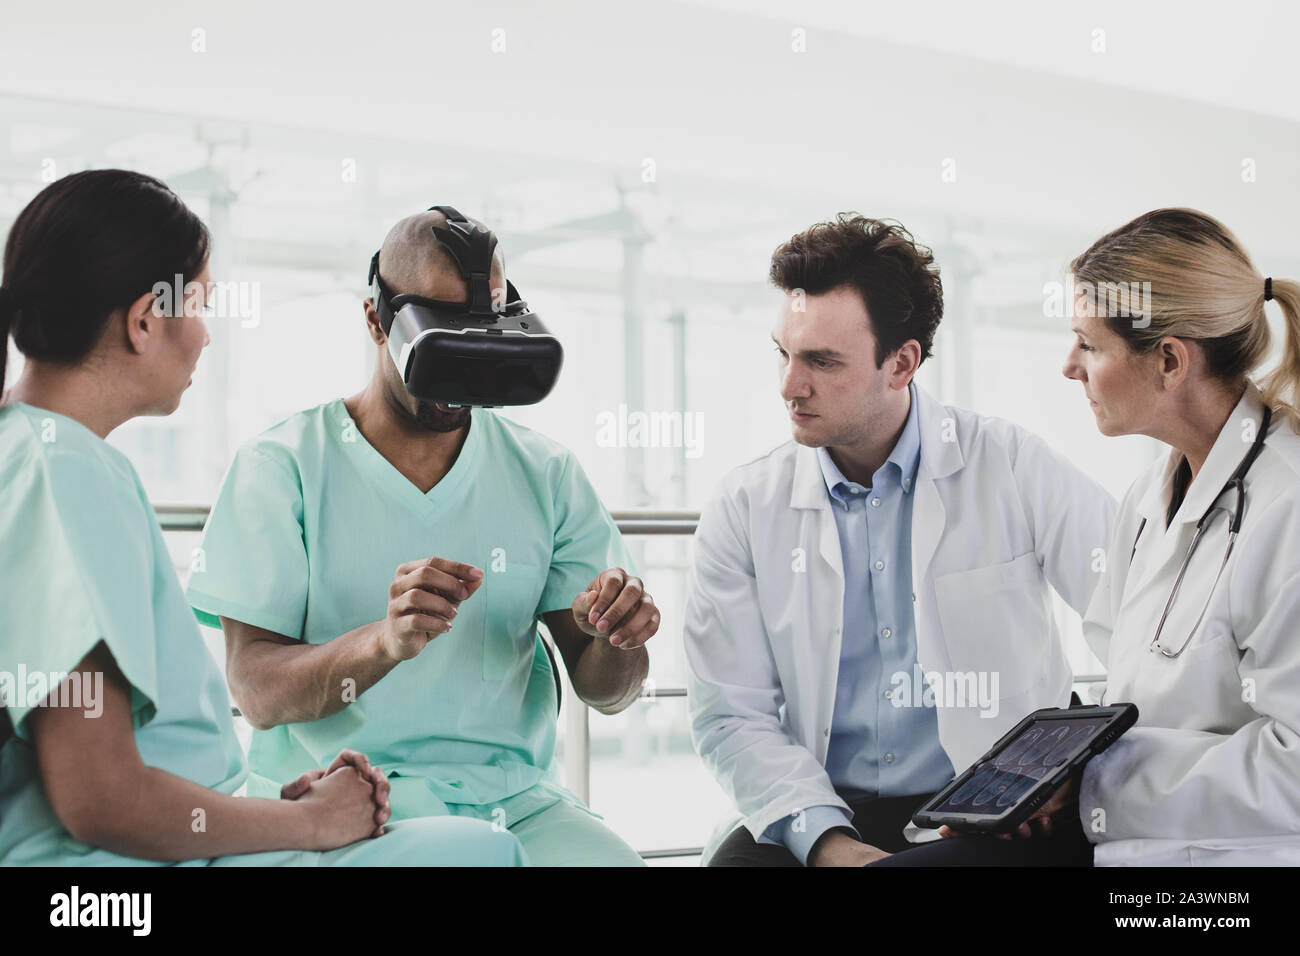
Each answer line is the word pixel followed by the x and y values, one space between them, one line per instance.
pixel 44 454
pixel 1272 486
pixel 1283 446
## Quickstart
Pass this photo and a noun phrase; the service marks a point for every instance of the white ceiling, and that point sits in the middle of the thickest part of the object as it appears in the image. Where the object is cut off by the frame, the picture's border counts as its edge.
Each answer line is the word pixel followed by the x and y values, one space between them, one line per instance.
pixel 1240 55
pixel 1040 128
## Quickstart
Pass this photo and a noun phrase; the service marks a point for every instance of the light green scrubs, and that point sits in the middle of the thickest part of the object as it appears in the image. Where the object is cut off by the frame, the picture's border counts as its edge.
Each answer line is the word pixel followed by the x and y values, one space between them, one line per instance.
pixel 85 562
pixel 307 532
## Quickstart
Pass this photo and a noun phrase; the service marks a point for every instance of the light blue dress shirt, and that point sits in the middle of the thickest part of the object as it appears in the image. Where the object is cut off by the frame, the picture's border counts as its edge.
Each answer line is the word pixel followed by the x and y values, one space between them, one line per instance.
pixel 877 749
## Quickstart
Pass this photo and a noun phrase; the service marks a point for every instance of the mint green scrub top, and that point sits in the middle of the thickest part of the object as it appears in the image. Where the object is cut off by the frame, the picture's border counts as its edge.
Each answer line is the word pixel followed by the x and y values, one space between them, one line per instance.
pixel 84 562
pixel 304 540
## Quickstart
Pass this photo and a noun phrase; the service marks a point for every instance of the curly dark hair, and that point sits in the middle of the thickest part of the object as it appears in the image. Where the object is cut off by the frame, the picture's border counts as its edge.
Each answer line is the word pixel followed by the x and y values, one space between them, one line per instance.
pixel 896 277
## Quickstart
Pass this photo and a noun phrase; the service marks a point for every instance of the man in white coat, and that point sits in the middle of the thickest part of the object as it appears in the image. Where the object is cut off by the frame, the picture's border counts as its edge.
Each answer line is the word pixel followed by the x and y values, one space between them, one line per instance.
pixel 869 607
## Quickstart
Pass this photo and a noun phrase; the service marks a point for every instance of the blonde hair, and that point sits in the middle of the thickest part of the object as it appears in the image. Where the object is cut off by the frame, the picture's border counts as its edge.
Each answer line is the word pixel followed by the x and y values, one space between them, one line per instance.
pixel 1181 273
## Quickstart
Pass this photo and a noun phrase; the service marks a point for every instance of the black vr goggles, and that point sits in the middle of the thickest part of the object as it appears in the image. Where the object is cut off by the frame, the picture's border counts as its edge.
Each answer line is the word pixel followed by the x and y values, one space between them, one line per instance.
pixel 478 352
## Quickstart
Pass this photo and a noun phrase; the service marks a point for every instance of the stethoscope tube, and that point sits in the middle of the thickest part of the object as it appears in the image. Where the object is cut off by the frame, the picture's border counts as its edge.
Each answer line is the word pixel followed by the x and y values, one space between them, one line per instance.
pixel 1237 483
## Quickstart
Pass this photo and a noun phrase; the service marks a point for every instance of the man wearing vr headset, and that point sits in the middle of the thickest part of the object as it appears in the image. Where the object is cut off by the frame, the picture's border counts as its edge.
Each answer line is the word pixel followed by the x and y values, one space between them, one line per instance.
pixel 350 540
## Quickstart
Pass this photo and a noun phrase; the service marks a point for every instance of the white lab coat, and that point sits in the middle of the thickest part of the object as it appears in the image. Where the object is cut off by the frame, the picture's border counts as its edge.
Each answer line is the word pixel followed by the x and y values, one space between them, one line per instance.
pixel 1210 775
pixel 997 517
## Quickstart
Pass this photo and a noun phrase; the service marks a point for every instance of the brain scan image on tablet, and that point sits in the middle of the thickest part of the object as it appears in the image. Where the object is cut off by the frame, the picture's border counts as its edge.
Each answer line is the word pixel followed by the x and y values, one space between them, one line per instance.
pixel 1037 753
pixel 1020 772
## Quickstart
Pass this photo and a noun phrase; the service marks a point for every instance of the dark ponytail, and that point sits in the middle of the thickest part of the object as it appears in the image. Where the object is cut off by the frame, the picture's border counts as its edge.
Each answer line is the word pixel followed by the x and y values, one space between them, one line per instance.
pixel 88 244
pixel 7 307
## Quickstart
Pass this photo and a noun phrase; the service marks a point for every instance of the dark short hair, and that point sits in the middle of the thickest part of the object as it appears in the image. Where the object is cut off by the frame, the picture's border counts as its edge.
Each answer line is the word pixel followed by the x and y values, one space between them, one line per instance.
pixel 896 277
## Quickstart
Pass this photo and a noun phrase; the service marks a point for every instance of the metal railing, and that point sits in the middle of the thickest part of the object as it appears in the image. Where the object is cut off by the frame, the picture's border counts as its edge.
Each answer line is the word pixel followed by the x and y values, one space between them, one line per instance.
pixel 193 517
pixel 577 737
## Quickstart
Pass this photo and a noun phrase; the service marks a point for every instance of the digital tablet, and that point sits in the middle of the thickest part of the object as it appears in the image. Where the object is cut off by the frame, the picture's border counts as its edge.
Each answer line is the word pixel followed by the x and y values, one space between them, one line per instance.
pixel 1003 788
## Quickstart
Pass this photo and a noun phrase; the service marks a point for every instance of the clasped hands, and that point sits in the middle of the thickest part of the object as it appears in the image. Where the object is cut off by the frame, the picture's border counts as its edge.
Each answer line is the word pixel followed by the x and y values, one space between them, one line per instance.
pixel 350 781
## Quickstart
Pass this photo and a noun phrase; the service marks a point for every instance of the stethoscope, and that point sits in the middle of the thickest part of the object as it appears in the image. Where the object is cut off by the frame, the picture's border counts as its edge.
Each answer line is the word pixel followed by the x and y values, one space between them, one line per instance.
pixel 1237 483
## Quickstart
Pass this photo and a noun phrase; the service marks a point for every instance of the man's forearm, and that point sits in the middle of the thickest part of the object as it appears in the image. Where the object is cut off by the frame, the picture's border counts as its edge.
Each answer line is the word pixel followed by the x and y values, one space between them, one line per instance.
pixel 608 678
pixel 275 684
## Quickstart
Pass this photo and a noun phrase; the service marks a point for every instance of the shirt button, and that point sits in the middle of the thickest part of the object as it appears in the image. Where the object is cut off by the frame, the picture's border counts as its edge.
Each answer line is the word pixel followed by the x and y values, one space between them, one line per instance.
pixel 880 565
pixel 826 732
pixel 886 632
pixel 875 502
pixel 907 482
pixel 889 758
pixel 889 694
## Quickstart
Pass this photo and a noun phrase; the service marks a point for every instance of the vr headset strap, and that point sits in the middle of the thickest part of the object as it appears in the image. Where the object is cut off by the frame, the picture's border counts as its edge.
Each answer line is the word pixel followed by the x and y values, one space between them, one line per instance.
pixel 379 295
pixel 472 249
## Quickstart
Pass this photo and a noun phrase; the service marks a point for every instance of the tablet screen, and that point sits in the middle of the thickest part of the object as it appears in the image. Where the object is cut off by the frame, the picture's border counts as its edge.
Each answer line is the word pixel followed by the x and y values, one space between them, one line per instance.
pixel 1040 750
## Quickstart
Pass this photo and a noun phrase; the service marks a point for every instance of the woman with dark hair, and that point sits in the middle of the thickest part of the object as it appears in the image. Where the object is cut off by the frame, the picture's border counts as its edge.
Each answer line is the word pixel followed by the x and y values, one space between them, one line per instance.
pixel 123 749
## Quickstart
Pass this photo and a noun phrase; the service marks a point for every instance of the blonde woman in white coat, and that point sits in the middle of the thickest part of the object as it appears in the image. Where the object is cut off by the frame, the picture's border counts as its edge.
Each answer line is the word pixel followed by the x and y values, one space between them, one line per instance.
pixel 1211 772
pixel 1169 327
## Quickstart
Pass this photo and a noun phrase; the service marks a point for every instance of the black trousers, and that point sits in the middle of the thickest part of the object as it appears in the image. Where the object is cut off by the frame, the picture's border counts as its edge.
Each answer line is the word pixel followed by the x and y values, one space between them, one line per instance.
pixel 1067 846
pixel 880 822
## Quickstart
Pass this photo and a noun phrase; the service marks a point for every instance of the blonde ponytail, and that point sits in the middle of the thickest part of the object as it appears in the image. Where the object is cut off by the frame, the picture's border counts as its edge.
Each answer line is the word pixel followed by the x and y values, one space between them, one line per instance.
pixel 1281 386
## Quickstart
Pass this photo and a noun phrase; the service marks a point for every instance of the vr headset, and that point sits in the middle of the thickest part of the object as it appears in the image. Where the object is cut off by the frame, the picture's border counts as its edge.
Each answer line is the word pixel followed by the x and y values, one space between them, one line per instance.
pixel 479 352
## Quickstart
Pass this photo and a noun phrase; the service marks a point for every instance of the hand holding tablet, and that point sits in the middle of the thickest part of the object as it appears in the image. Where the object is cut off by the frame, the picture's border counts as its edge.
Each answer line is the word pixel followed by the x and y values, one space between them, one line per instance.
pixel 1024 769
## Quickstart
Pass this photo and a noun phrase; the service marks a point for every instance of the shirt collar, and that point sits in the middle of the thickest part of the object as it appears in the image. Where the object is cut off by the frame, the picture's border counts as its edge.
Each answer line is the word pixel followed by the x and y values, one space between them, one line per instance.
pixel 905 457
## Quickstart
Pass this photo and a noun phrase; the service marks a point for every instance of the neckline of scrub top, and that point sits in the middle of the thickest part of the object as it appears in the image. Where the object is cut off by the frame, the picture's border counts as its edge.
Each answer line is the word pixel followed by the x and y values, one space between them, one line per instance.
pixel 386 474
